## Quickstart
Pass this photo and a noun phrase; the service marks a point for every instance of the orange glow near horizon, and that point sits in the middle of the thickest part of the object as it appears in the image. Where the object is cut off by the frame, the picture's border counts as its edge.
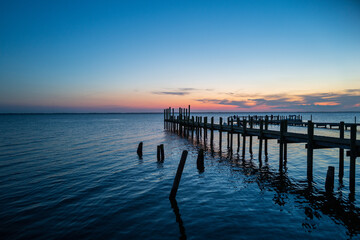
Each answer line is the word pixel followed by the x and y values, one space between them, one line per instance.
pixel 326 103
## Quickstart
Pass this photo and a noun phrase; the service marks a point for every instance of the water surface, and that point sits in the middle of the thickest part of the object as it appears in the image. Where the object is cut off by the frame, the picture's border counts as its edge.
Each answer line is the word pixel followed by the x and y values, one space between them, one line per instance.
pixel 78 176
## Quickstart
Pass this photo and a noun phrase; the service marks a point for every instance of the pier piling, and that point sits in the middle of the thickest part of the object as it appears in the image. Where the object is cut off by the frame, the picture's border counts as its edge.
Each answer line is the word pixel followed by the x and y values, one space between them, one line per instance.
pixel 139 150
pixel 200 161
pixel 329 183
pixel 178 175
pixel 310 151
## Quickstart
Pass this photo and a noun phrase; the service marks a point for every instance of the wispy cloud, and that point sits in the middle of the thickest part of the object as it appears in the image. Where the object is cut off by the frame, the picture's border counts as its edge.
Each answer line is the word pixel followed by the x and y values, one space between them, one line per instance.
pixel 180 91
pixel 347 100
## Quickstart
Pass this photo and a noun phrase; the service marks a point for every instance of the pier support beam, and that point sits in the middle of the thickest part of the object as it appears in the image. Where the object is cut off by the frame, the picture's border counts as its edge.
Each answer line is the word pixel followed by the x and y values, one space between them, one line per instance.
pixel 200 161
pixel 310 151
pixel 353 155
pixel 244 138
pixel 238 135
pixel 220 134
pixel 212 134
pixel 329 183
pixel 250 137
pixel 341 153
pixel 266 141
pixel 260 141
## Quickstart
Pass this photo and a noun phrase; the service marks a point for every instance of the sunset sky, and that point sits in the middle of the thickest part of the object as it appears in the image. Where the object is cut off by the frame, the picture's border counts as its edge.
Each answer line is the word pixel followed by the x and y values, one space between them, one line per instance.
pixel 143 56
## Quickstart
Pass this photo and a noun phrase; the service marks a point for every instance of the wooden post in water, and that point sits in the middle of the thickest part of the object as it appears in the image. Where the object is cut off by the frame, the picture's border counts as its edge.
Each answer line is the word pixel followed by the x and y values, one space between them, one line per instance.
pixel 139 150
pixel 220 134
pixel 244 138
pixel 178 175
pixel 285 144
pixel 189 111
pixel 200 161
pixel 353 154
pixel 310 150
pixel 205 131
pixel 281 153
pixel 197 129
pixel 173 118
pixel 162 157
pixel 260 139
pixel 238 135
pixel 341 152
pixel 250 137
pixel 329 183
pixel 212 133
pixel 164 118
pixel 158 153
pixel 188 127
pixel 232 133
pixel 227 134
pixel 266 141
pixel 192 128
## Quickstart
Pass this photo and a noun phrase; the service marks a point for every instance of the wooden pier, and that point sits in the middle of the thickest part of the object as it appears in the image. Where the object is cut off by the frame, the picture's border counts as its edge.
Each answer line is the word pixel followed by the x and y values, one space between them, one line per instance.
pixel 248 127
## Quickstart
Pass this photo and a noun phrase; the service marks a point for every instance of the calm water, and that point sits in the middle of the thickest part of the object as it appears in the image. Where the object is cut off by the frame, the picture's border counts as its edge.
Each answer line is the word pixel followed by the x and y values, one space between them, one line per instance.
pixel 78 176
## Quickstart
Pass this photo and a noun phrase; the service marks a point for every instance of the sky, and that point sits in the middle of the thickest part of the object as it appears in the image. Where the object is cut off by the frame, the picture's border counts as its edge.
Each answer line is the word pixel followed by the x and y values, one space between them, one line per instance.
pixel 144 56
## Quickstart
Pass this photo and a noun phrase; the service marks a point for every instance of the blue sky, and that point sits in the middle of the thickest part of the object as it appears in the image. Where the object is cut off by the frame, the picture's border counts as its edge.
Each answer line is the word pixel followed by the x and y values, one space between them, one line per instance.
pixel 119 55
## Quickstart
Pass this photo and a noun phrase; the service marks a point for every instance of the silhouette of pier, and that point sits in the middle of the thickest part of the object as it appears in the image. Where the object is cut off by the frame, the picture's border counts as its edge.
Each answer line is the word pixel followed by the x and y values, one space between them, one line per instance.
pixel 258 126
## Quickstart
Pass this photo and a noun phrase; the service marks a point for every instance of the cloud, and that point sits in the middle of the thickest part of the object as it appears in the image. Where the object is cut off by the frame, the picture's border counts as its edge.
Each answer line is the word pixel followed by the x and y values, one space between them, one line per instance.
pixel 346 100
pixel 180 91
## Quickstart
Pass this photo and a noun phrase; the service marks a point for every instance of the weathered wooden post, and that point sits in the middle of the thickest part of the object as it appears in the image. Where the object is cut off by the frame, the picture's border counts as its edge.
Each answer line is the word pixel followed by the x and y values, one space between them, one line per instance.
pixel 281 153
pixel 341 152
pixel 173 118
pixel 158 153
pixel 285 143
pixel 244 138
pixel 232 133
pixel 260 139
pixel 205 130
pixel 139 150
pixel 162 157
pixel 250 137
pixel 353 155
pixel 192 128
pixel 220 133
pixel 227 134
pixel 189 111
pixel 164 118
pixel 197 129
pixel 212 133
pixel 329 183
pixel 178 175
pixel 310 150
pixel 266 141
pixel 238 135
pixel 200 161
pixel 188 127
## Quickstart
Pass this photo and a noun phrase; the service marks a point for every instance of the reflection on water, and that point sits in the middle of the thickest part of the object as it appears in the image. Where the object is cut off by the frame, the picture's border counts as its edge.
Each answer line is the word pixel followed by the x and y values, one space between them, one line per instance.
pixel 176 210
